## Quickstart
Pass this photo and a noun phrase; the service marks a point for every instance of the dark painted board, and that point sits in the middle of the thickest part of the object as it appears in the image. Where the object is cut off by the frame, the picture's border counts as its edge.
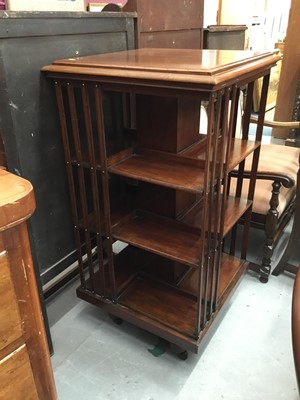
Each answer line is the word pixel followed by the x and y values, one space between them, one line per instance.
pixel 185 39
pixel 28 116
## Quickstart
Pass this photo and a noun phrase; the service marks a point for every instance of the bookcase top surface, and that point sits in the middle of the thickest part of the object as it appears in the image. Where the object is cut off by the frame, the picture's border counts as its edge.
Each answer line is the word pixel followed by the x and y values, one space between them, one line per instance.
pixel 190 65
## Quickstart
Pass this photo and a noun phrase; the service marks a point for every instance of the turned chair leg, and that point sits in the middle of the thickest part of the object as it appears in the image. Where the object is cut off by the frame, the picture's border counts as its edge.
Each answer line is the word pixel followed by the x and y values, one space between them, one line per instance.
pixel 270 230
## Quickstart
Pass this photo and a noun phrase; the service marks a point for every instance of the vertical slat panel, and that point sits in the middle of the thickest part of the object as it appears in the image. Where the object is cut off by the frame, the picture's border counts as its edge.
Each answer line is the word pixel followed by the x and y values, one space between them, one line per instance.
pixel 259 130
pixel 213 210
pixel 202 250
pixel 262 107
pixel 247 110
pixel 255 159
pixel 94 183
pixel 223 174
pixel 73 200
pixel 203 256
pixel 105 185
pixel 239 184
pixel 245 133
pixel 81 180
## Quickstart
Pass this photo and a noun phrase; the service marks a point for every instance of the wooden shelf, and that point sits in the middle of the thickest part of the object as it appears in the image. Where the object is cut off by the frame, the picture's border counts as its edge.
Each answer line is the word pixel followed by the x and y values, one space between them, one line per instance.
pixel 162 236
pixel 162 304
pixel 231 269
pixel 163 171
pixel 173 308
pixel 177 240
pixel 234 209
pixel 131 262
pixel 119 211
pixel 240 149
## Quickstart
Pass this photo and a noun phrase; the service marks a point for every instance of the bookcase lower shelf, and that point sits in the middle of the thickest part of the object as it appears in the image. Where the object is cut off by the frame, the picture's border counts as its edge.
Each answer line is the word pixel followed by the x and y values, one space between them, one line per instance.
pixel 166 309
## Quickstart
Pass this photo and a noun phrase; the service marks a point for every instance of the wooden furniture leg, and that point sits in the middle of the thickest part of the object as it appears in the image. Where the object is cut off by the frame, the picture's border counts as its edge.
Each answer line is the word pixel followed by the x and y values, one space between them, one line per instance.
pixel 270 230
pixel 283 264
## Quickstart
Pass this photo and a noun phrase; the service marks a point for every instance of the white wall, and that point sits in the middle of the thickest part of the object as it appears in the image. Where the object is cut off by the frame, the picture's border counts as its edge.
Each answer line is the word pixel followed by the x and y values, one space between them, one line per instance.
pixel 277 13
pixel 266 19
pixel 235 12
pixel 210 12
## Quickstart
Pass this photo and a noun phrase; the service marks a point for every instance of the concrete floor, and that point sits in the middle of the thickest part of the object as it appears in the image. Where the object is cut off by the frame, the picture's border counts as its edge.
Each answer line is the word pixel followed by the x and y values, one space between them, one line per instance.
pixel 249 357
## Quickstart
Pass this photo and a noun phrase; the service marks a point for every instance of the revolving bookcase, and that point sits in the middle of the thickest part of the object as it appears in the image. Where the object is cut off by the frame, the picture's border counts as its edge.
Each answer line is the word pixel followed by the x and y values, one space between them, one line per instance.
pixel 149 193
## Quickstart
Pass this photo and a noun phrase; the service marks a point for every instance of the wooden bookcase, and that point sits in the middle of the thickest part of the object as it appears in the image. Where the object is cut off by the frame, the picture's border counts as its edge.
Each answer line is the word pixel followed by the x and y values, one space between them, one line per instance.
pixel 160 189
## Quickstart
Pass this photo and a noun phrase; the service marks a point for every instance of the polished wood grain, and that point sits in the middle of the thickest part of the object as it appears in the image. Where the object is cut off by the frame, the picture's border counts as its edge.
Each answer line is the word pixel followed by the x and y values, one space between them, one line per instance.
pixel 161 236
pixel 202 62
pixel 159 301
pixel 16 377
pixel 239 150
pixel 210 67
pixel 235 208
pixel 17 201
pixel 11 330
pixel 161 171
pixel 171 134
pixel 25 366
pixel 231 271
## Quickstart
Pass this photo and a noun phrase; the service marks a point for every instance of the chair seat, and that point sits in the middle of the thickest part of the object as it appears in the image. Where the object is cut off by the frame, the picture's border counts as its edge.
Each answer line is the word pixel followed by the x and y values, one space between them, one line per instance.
pixel 274 159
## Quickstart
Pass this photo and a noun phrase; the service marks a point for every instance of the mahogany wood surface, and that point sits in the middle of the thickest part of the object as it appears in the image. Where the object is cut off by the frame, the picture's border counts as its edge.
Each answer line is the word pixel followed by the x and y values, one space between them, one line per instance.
pixel 9 311
pixel 235 208
pixel 16 376
pixel 161 236
pixel 157 301
pixel 210 67
pixel 17 201
pixel 161 171
pixel 171 134
pixel 238 151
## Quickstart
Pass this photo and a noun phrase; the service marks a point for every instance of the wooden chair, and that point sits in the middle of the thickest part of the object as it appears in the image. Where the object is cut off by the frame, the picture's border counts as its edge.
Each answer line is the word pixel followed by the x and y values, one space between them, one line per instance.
pixel 274 198
pixel 283 264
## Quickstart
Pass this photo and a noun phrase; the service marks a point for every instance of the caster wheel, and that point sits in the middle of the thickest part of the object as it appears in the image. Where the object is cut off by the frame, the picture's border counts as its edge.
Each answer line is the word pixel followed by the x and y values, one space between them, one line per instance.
pixel 263 279
pixel 116 320
pixel 183 355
